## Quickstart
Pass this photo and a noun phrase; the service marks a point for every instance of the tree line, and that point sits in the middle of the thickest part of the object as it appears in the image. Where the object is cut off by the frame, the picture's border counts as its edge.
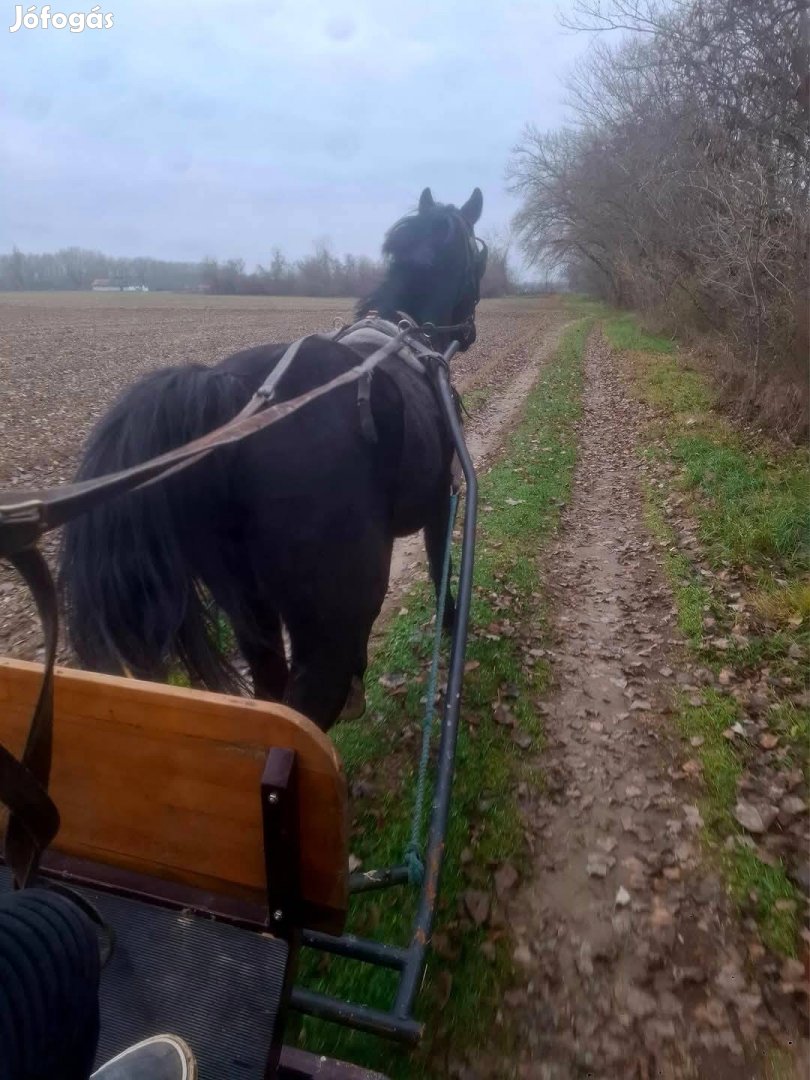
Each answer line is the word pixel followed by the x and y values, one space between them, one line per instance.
pixel 680 188
pixel 320 274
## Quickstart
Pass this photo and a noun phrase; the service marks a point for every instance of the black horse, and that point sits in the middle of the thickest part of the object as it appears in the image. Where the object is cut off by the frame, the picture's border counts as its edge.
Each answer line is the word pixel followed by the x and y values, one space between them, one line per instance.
pixel 293 526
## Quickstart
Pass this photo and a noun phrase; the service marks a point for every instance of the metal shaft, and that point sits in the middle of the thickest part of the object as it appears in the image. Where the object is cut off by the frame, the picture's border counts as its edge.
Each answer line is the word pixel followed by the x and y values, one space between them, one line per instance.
pixel 423 926
pixel 359 1017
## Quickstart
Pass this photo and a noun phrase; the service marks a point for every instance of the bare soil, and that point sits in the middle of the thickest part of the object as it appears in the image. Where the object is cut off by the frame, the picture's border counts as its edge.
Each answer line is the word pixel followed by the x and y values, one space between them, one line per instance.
pixel 65 357
pixel 633 964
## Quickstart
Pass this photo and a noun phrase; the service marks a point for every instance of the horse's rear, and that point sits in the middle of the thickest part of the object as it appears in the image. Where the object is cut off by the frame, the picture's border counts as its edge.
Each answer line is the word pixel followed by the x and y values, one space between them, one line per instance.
pixel 292 525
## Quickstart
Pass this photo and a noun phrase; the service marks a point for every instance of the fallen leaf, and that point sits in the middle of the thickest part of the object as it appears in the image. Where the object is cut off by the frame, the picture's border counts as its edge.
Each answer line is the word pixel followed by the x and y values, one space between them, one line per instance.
pixel 523 955
pixel 393 683
pixel 639 1003
pixel 476 904
pixel 598 864
pixel 792 971
pixel 584 960
pixel 749 817
pixel 443 947
pixel 444 987
pixel 503 716
pixel 640 705
pixel 506 877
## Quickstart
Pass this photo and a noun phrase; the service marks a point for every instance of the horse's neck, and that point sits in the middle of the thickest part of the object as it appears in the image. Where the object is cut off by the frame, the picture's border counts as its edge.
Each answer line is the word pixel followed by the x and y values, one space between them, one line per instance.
pixel 399 295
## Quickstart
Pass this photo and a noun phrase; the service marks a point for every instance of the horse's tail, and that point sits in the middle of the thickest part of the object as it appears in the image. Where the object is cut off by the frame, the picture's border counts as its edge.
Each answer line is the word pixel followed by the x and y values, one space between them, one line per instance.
pixel 131 568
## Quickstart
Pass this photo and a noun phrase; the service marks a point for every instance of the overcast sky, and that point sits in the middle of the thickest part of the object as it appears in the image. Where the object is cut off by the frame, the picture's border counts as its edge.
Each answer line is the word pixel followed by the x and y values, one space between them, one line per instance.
pixel 229 127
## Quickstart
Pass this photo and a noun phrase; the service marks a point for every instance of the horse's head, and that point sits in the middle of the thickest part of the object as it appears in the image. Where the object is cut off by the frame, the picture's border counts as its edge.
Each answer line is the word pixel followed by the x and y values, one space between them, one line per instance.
pixel 435 266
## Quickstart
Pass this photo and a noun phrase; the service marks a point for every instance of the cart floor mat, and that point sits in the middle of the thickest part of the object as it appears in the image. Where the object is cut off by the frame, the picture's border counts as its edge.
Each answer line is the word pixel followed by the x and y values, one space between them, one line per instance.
pixel 216 986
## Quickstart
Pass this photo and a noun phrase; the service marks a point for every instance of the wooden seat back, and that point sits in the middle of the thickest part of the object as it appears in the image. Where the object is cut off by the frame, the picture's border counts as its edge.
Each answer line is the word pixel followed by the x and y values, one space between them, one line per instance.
pixel 165 782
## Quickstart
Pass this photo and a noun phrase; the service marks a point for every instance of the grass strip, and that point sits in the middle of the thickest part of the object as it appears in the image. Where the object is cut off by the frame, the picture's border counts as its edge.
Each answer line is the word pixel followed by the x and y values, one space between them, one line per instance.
pixel 520 500
pixel 751 505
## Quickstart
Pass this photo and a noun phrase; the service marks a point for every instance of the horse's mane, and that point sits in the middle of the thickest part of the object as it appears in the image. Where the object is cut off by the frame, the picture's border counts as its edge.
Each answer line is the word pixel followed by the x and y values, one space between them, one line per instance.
pixel 423 241
pixel 418 239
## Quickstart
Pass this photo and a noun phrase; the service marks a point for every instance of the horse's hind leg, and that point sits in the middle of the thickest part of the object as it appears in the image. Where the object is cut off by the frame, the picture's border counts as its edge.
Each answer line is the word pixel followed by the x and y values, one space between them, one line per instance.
pixel 320 679
pixel 265 657
pixel 257 626
pixel 330 623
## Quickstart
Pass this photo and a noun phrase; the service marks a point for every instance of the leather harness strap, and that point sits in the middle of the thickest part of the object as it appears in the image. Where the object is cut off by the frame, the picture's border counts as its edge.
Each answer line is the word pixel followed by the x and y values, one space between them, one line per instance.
pixel 33 818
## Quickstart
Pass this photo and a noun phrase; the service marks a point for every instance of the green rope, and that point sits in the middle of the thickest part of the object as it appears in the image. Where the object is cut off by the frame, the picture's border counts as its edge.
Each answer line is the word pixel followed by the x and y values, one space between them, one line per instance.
pixel 413 852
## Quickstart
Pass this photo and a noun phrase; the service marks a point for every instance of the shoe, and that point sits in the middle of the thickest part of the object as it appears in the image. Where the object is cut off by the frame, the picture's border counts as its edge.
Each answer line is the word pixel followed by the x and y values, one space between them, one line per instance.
pixel 163 1057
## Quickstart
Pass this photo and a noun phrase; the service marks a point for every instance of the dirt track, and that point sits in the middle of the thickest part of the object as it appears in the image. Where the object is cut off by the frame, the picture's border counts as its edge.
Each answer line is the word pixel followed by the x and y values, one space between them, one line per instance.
pixel 634 965
pixel 64 358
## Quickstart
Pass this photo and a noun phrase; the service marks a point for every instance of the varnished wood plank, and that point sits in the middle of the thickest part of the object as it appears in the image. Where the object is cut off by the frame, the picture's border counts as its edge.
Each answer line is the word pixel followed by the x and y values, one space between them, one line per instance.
pixel 166 781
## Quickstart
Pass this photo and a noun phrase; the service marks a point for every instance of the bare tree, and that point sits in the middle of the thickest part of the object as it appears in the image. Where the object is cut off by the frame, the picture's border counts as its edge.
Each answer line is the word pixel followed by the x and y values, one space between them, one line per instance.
pixel 682 185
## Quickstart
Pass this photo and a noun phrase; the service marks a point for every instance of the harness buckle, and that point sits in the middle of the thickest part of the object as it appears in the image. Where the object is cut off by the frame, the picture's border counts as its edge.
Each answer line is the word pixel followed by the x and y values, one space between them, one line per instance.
pixel 24 513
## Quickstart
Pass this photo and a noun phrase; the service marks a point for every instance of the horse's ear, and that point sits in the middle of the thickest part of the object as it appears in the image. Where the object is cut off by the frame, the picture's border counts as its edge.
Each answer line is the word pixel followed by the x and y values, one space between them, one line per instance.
pixel 471 210
pixel 426 201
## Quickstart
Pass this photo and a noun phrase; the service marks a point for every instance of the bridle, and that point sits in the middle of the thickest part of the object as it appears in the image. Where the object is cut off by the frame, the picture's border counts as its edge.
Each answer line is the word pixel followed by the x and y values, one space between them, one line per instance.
pixel 464 331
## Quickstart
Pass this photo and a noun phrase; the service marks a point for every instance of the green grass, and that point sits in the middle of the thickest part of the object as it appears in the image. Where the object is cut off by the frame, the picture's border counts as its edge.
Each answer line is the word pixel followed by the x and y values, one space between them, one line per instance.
pixel 693 600
pixel 793 725
pixel 752 506
pixel 722 763
pixel 520 500
pixel 625 332
pixel 758 887
pixel 755 507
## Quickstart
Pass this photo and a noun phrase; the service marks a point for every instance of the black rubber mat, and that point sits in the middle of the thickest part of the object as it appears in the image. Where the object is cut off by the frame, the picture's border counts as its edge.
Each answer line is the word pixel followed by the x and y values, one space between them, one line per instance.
pixel 216 986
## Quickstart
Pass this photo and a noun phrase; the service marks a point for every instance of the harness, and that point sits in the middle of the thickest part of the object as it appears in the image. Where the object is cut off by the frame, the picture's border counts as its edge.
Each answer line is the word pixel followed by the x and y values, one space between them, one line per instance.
pixel 373 339
pixel 371 333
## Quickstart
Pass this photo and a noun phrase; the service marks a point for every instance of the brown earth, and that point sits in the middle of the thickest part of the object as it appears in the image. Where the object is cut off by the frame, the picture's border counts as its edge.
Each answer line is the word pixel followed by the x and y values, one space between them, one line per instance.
pixel 65 357
pixel 632 963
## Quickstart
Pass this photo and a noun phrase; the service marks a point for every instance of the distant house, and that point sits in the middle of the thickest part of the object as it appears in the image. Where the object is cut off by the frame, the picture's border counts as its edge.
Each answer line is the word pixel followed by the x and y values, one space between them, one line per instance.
pixel 103 284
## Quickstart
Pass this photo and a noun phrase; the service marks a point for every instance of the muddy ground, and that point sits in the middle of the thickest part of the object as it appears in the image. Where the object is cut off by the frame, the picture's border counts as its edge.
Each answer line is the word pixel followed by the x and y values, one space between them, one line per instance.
pixel 65 357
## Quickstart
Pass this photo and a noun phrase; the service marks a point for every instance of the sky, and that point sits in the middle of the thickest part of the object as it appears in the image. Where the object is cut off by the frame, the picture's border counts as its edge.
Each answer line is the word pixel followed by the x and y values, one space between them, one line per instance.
pixel 226 128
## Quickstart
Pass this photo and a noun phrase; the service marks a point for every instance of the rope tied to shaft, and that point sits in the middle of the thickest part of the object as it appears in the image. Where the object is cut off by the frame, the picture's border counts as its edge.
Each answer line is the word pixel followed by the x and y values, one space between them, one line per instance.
pixel 412 857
